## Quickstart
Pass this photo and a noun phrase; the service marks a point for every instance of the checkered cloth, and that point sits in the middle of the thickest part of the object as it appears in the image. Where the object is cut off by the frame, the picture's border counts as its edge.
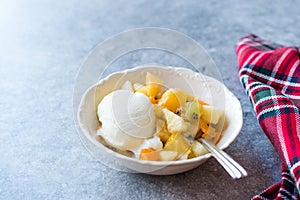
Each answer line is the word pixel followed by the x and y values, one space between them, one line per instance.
pixel 270 74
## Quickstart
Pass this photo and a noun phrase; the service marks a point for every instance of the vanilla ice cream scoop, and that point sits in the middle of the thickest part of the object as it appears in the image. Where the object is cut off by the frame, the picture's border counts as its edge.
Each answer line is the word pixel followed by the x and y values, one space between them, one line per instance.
pixel 127 118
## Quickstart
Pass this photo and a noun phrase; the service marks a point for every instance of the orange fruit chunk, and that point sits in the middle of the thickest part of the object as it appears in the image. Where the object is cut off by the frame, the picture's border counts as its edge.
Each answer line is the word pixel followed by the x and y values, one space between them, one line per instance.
pixel 149 154
pixel 170 100
pixel 152 88
pixel 202 102
pixel 150 91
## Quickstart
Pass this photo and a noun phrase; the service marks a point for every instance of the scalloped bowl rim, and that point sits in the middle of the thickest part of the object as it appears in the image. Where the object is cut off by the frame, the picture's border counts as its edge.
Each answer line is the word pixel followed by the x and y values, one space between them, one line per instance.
pixel 146 162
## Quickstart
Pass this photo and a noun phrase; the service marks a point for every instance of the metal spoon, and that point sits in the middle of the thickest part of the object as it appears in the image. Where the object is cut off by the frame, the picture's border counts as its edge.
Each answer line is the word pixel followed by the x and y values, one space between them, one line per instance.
pixel 234 169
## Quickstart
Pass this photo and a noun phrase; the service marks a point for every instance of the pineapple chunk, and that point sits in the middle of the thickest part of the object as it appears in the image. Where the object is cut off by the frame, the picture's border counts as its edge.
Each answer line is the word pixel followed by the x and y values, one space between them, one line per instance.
pixel 212 114
pixel 137 86
pixel 185 155
pixel 193 129
pixel 168 155
pixel 160 93
pixel 142 89
pixel 184 95
pixel 178 143
pixel 151 79
pixel 175 123
pixel 160 125
pixel 158 111
pixel 164 134
pixel 212 135
pixel 127 86
pixel 197 149
pixel 203 125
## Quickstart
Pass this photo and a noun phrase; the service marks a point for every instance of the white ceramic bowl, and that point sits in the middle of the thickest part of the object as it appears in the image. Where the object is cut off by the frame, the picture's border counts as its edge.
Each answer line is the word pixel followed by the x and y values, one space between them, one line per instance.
pixel 206 88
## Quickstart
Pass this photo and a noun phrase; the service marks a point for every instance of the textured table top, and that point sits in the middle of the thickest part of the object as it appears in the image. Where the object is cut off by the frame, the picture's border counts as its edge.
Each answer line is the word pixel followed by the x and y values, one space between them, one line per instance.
pixel 42 46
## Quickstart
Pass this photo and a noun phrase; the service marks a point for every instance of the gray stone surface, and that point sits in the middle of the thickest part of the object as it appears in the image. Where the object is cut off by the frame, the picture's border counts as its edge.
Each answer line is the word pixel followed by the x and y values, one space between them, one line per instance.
pixel 42 46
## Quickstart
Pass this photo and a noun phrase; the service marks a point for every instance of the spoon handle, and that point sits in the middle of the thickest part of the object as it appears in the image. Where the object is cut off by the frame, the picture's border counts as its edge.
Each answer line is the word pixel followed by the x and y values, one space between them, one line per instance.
pixel 234 169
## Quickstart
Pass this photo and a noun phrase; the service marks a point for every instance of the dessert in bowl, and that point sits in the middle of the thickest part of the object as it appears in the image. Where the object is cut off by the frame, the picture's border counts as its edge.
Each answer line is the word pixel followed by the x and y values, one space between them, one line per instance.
pixel 154 134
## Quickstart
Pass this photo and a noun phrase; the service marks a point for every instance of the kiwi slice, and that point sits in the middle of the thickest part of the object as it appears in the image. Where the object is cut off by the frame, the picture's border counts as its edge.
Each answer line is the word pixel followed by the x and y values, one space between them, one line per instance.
pixel 191 111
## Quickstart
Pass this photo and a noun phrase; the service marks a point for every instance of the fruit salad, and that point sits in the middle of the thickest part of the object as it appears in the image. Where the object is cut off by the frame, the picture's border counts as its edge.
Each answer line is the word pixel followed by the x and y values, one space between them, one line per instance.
pixel 157 123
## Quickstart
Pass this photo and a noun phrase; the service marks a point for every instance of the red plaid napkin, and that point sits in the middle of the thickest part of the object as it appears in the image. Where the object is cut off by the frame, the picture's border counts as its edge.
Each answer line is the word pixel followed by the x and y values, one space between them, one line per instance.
pixel 270 74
